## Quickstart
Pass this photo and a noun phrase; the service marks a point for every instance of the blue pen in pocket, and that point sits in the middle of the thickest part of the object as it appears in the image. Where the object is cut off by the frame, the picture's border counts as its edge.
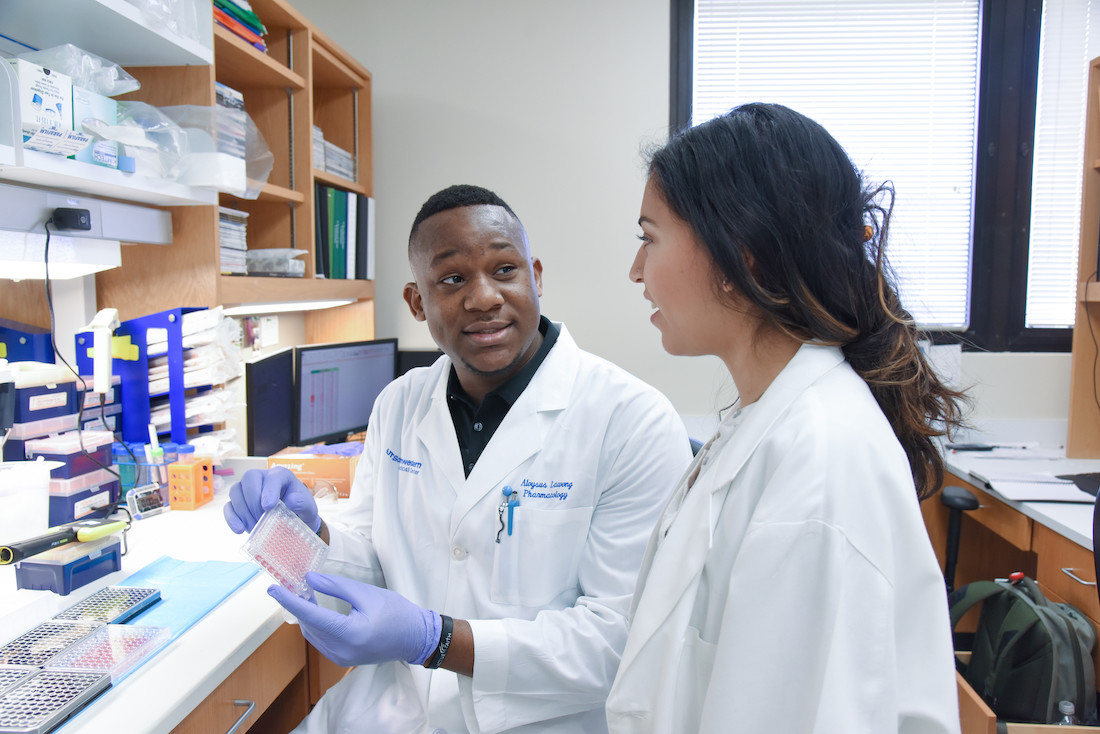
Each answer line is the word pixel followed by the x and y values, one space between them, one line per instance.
pixel 511 499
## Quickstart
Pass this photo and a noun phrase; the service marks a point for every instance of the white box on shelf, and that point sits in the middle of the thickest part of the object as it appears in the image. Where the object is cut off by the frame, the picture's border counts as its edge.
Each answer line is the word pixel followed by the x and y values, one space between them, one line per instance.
pixel 46 102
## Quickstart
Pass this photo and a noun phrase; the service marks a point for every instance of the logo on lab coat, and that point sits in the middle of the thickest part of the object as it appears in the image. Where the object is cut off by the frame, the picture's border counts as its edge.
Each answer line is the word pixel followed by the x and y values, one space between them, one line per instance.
pixel 405 465
pixel 551 490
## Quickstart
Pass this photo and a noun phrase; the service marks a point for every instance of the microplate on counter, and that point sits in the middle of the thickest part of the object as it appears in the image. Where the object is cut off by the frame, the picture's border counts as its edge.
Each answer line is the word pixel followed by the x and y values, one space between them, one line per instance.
pixel 286 548
pixel 10 675
pixel 42 702
pixel 111 604
pixel 36 646
pixel 113 649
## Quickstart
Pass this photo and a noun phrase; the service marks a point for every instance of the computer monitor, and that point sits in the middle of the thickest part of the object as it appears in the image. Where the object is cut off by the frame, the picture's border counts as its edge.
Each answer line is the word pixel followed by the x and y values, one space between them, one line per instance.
pixel 269 402
pixel 336 387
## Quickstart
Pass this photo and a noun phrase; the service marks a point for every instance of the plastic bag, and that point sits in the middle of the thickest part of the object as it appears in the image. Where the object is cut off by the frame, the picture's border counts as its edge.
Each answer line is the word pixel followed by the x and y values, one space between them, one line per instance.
pixel 145 134
pixel 91 72
pixel 181 17
pixel 225 150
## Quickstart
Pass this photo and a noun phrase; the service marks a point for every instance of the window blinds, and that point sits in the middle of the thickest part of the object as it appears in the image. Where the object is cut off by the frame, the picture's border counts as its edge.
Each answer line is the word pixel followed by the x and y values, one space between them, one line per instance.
pixel 1066 45
pixel 896 84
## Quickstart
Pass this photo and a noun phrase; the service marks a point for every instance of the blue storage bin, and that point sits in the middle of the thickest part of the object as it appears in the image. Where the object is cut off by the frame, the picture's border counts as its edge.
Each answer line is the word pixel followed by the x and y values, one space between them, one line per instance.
pixel 79 497
pixel 20 433
pixel 70 566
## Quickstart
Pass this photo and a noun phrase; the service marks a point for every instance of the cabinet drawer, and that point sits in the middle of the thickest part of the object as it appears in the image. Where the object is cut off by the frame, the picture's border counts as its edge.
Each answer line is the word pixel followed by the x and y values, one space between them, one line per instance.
pixel 975 717
pixel 323 673
pixel 1058 557
pixel 1005 521
pixel 260 678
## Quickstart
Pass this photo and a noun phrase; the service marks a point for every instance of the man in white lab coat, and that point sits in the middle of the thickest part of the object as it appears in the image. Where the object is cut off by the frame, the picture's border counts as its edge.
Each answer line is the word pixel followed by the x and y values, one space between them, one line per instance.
pixel 504 499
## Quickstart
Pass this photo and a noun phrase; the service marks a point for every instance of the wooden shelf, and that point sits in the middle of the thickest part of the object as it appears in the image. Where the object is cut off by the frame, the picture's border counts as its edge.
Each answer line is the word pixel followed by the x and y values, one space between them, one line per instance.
pixel 339 181
pixel 304 79
pixel 1088 292
pixel 1083 432
pixel 270 193
pixel 237 289
pixel 240 64
pixel 331 71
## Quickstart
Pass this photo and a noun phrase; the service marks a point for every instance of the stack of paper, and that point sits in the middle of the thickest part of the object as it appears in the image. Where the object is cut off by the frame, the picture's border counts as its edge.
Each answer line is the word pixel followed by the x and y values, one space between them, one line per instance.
pixel 1033 487
pixel 232 226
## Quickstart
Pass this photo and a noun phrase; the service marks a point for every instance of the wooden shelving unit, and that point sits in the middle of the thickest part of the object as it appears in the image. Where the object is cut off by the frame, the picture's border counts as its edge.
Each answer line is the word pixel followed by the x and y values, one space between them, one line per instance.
pixel 304 79
pixel 1083 435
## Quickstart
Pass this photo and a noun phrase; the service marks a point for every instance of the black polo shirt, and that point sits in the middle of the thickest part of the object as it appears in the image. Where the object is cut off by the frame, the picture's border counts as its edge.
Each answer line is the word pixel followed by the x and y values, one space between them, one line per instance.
pixel 475 425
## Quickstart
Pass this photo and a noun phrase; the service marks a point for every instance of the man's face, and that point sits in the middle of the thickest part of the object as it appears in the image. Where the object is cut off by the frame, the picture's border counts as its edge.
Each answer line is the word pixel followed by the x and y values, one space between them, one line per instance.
pixel 478 288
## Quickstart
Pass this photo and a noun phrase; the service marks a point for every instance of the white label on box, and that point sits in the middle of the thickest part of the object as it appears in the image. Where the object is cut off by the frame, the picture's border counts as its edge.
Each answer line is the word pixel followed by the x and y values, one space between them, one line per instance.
pixel 57 141
pixel 84 506
pixel 49 400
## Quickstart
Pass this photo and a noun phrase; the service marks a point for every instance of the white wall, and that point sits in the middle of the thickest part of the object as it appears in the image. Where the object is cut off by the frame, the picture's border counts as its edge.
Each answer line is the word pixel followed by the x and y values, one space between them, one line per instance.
pixel 550 105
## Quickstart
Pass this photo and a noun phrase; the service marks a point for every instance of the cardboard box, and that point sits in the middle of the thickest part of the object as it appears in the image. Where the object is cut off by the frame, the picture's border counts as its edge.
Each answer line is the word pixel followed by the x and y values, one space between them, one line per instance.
pixel 45 106
pixel 339 470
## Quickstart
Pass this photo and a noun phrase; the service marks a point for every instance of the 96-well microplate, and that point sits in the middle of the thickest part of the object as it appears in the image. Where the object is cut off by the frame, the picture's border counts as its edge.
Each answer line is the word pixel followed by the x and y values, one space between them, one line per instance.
pixel 38 645
pixel 113 649
pixel 286 548
pixel 12 674
pixel 112 604
pixel 43 701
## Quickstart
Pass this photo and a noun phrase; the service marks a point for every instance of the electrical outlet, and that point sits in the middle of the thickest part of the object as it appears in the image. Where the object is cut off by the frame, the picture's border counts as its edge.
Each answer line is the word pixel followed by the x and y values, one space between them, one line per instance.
pixel 66 218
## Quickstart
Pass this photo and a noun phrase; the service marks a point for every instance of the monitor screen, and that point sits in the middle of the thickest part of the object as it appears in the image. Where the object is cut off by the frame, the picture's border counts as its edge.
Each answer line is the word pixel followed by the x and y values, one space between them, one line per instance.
pixel 336 387
pixel 269 402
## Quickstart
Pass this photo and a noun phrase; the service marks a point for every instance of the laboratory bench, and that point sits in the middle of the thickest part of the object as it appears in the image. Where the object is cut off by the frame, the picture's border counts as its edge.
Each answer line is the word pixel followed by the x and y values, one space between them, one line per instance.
pixel 241 665
pixel 1049 541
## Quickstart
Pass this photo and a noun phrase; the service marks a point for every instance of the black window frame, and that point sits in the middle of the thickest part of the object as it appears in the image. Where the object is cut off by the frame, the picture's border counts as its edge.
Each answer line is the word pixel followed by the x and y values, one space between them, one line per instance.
pixel 1007 94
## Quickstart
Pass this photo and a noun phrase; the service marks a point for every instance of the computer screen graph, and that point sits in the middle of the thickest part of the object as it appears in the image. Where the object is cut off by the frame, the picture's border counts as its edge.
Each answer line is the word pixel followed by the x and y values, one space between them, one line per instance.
pixel 336 386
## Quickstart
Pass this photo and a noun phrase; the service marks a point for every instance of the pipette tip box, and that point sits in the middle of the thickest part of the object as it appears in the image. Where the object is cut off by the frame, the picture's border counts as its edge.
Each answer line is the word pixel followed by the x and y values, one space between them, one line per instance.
pixel 286 548
pixel 70 566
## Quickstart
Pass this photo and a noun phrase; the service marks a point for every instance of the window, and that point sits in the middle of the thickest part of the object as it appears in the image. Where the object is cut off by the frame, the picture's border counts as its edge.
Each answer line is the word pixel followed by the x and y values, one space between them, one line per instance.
pixel 912 88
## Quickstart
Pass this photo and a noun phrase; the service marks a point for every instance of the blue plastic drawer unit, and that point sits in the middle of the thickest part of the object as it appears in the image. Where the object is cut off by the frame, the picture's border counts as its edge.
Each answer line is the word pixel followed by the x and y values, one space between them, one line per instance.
pixel 42 391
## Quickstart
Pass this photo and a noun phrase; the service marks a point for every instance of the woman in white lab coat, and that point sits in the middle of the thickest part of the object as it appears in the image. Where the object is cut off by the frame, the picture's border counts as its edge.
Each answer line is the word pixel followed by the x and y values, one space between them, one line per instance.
pixel 789 585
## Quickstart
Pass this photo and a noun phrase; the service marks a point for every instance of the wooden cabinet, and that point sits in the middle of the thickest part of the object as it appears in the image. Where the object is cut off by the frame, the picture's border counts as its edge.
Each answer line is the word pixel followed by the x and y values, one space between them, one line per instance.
pixel 997 539
pixel 1083 436
pixel 303 80
pixel 271 691
pixel 254 686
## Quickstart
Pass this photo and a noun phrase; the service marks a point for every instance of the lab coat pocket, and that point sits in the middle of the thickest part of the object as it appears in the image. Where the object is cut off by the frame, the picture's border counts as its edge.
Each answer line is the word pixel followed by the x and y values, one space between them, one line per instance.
pixel 539 560
pixel 696 662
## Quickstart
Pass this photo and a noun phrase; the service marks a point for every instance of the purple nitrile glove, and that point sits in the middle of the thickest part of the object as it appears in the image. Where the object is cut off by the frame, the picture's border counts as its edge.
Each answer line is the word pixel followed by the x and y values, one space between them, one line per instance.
pixel 382 625
pixel 260 489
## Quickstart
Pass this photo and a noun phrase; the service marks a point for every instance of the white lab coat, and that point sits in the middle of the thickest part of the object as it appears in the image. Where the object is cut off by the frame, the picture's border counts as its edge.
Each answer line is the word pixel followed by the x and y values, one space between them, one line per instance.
pixel 793 588
pixel 593 453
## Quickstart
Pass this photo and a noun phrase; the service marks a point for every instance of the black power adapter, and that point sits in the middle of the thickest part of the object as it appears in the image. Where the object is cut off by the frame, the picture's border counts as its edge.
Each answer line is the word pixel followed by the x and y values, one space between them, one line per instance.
pixel 66 218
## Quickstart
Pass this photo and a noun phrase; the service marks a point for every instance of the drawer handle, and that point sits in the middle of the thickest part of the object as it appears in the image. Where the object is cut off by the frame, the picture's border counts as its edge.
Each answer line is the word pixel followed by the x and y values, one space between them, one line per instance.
pixel 251 707
pixel 1069 572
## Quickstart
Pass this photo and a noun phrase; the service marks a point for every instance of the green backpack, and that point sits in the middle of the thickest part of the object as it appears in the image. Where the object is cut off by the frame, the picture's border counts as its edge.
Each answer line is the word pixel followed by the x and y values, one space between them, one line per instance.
pixel 1029 653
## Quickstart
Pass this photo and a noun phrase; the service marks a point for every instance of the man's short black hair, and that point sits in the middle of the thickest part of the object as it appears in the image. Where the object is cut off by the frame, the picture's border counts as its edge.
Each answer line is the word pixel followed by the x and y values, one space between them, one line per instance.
pixel 454 197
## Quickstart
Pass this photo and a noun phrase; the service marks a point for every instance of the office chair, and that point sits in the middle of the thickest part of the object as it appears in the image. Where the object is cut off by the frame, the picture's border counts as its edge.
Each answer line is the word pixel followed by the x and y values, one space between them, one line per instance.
pixel 958 500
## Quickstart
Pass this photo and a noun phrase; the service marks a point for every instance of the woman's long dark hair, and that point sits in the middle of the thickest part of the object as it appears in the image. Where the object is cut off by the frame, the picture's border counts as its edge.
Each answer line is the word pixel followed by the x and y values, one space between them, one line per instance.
pixel 786 218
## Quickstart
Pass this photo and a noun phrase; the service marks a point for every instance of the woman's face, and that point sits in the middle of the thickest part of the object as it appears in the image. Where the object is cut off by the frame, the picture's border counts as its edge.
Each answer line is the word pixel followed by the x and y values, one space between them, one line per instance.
pixel 678 276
